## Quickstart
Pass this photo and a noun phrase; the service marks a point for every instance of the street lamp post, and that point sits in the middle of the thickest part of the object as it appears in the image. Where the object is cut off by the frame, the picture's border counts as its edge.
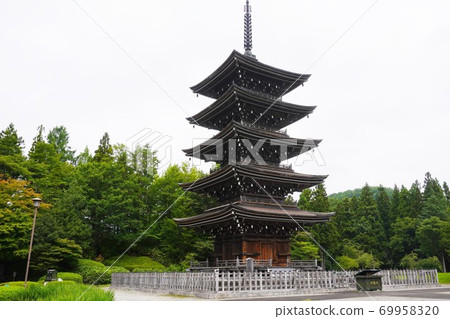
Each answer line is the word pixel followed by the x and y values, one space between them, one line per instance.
pixel 36 204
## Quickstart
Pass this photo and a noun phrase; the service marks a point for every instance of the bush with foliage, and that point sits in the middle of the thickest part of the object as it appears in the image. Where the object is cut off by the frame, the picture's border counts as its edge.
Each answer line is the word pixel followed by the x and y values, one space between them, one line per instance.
pixel 92 274
pixel 131 263
pixel 429 263
pixel 67 276
pixel 367 260
pixel 409 261
pixel 88 263
pixel 347 263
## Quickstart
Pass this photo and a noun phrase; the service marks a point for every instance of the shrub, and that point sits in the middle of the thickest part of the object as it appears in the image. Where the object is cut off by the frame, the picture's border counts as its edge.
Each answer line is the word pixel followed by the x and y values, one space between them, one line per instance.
pixel 429 263
pixel 131 263
pixel 347 263
pixel 89 263
pixel 65 276
pixel 148 270
pixel 367 260
pixel 409 261
pixel 91 274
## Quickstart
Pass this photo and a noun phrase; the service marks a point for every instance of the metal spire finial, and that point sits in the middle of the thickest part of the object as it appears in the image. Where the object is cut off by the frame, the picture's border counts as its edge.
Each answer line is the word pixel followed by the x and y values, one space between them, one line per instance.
pixel 248 30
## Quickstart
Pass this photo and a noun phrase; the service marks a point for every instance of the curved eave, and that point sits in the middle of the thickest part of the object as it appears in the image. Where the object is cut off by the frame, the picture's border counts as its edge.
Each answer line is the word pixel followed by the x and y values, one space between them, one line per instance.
pixel 237 60
pixel 258 172
pixel 235 130
pixel 257 212
pixel 265 102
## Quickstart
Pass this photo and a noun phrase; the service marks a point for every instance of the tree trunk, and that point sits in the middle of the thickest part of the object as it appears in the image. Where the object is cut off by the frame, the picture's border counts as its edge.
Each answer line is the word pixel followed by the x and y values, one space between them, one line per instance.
pixel 444 269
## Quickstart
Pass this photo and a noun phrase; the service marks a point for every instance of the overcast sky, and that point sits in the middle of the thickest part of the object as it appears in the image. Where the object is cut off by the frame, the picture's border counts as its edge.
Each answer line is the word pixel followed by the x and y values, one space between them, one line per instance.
pixel 381 90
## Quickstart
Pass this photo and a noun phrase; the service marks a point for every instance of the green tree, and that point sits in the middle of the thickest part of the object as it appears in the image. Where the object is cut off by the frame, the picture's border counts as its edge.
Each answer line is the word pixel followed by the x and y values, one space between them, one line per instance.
pixel 369 229
pixel 104 152
pixel 434 200
pixel 434 238
pixel 403 238
pixel 49 175
pixel 59 138
pixel 416 200
pixel 384 208
pixel 304 201
pixel 11 156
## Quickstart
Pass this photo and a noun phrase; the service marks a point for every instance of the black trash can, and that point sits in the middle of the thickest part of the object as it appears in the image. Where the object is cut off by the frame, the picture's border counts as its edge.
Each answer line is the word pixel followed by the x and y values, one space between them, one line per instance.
pixel 52 275
pixel 366 281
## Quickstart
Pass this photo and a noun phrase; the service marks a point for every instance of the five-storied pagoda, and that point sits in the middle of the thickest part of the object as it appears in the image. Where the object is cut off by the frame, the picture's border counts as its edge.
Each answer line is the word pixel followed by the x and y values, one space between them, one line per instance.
pixel 251 219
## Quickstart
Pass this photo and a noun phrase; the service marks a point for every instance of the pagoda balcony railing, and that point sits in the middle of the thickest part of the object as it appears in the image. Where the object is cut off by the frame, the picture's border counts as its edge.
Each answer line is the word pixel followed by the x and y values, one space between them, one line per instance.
pixel 241 264
pixel 304 264
pixel 254 125
pixel 229 264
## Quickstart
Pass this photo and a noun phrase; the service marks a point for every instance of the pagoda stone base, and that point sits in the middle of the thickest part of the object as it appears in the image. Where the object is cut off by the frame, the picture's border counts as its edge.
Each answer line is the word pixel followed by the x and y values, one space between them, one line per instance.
pixel 262 247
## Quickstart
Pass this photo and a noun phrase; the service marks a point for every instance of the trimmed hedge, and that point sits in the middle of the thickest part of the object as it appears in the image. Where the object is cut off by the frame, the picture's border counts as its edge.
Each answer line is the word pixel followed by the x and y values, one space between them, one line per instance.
pixel 67 276
pixel 131 263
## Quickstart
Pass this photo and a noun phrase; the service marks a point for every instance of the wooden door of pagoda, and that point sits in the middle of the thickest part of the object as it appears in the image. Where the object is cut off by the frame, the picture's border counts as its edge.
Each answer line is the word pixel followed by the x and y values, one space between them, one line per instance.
pixel 267 251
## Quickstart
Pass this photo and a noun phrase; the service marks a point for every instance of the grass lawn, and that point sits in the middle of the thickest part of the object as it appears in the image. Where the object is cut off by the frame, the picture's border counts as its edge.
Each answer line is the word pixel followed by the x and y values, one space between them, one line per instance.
pixel 53 291
pixel 444 277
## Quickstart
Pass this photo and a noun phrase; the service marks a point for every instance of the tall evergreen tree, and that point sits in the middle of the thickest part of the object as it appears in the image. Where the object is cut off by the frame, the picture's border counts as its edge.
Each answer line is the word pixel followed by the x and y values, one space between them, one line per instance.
pixel 416 200
pixel 59 138
pixel 384 208
pixel 404 203
pixel 11 156
pixel 434 200
pixel 369 232
pixel 104 152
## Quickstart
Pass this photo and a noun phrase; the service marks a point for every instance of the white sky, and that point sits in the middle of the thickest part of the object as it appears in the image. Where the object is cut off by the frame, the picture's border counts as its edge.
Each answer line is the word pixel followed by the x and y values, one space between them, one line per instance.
pixel 382 90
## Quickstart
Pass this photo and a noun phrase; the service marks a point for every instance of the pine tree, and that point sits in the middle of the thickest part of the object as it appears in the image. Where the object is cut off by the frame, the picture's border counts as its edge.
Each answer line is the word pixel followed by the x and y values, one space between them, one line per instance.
pixel 384 207
pixel 434 200
pixel 104 151
pixel 369 232
pixel 11 156
pixel 304 202
pixel 59 138
pixel 415 198
pixel 404 206
pixel 319 200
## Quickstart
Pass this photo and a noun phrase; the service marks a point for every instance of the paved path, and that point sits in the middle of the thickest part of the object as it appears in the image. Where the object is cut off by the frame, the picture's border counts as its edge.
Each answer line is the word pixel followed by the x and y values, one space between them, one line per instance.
pixel 435 293
pixel 440 293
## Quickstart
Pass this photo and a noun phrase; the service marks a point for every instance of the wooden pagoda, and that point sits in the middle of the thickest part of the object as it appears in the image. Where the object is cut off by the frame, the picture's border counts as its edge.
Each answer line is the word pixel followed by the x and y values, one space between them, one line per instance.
pixel 251 219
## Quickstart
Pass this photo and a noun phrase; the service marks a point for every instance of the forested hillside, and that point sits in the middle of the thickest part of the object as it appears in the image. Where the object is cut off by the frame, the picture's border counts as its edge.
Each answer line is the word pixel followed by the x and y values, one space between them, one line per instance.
pixel 96 204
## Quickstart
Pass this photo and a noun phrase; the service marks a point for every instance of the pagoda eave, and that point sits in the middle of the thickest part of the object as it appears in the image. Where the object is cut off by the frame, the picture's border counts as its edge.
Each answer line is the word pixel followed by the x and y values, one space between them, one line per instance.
pixel 256 212
pixel 213 85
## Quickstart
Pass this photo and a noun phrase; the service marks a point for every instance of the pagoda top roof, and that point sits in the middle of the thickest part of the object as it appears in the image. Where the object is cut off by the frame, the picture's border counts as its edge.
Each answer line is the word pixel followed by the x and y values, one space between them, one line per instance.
pixel 258 172
pixel 264 108
pixel 252 133
pixel 227 73
pixel 258 212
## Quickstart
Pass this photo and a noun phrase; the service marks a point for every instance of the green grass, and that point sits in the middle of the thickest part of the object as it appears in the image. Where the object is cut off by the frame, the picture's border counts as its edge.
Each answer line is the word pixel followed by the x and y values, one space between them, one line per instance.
pixel 54 291
pixel 132 263
pixel 444 277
